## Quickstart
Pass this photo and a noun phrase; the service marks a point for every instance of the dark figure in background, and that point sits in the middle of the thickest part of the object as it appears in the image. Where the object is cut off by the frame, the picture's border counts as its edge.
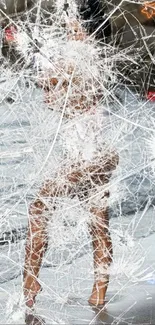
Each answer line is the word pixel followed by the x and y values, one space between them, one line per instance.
pixel 9 46
pixel 133 34
pixel 93 13
pixel 8 42
pixel 13 7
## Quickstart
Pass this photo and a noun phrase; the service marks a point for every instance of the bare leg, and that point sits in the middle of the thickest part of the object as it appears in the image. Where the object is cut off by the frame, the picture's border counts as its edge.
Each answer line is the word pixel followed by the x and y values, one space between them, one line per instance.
pixel 37 240
pixel 36 245
pixel 102 254
pixel 99 229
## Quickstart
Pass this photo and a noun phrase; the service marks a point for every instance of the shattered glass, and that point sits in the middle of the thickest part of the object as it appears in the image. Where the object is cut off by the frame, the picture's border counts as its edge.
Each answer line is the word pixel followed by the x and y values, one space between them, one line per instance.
pixel 116 75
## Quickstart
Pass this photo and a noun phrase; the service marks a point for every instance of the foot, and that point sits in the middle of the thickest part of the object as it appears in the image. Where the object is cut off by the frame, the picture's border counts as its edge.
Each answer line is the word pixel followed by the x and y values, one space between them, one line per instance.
pixel 97 297
pixel 31 289
pixel 31 319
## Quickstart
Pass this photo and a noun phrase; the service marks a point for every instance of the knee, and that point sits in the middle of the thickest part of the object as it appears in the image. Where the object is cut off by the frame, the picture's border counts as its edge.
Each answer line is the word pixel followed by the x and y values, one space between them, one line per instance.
pixel 111 162
pixel 75 176
pixel 37 207
pixel 109 165
pixel 37 232
pixel 101 214
pixel 100 220
pixel 114 161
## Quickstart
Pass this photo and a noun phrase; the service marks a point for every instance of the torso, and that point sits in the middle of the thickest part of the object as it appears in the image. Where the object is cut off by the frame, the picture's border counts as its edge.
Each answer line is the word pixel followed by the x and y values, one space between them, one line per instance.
pixel 74 82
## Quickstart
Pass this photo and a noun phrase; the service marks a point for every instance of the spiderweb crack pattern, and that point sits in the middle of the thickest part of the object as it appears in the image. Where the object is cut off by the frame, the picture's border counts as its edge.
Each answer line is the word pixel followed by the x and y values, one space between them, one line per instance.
pixel 40 115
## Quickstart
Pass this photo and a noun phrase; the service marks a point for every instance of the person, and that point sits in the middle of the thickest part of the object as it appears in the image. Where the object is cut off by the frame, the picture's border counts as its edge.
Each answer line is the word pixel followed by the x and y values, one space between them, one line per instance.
pixel 73 88
pixel 9 41
pixel 9 49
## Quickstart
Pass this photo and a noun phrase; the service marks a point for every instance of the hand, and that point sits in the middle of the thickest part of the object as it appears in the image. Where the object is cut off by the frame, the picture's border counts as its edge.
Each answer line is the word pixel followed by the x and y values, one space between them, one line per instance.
pixel 75 31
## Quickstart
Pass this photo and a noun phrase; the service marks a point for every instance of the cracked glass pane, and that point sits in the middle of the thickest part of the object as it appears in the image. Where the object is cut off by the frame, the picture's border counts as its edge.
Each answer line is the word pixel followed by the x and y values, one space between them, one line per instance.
pixel 77 162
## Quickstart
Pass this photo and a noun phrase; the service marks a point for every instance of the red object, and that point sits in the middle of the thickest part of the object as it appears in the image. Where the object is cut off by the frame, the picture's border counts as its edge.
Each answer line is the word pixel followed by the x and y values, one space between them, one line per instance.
pixel 151 96
pixel 10 33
